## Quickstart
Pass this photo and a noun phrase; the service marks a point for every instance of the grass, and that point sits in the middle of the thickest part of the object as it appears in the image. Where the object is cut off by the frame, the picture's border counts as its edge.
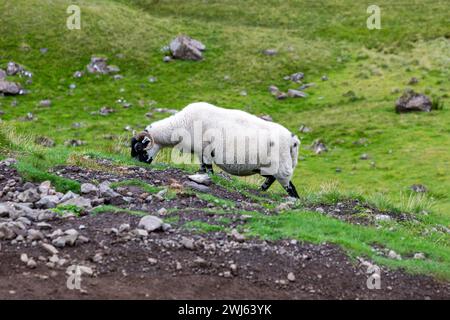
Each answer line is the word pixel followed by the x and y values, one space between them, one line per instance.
pixel 114 209
pixel 352 112
pixel 136 183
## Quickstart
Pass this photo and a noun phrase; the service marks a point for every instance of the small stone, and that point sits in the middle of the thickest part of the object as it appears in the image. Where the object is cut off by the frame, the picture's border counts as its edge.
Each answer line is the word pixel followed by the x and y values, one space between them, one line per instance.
pixel 394 255
pixel 150 223
pixel 291 277
pixel 296 94
pixel 45 103
pixel 364 156
pixel 382 217
pixel 188 243
pixel 140 233
pixel 152 261
pixel 419 188
pixel 201 179
pixel 24 257
pixel 49 248
pixel 125 227
pixel 270 52
pixel 162 211
pixel 419 256
pixel 196 186
pixel 31 263
pixel 237 236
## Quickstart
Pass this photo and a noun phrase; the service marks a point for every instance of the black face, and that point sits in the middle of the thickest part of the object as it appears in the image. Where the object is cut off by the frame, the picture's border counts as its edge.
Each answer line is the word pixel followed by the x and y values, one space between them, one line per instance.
pixel 138 151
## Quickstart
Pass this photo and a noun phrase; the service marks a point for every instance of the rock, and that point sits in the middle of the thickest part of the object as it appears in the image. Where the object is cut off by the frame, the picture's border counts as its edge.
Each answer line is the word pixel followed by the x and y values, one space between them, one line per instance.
pixel 45 103
pixel 296 77
pixel 393 255
pixel 150 223
pixel 188 243
pixel 296 94
pixel 196 186
pixel 73 143
pixel 106 191
pixel 274 90
pixel 306 86
pixel 270 52
pixel 125 227
pixel 237 236
pixel 201 179
pixel 45 187
pixel 419 256
pixel 5 210
pixel 49 248
pixel 72 86
pixel 78 74
pixel 33 235
pixel 291 277
pixel 2 74
pixel 69 195
pixel 45 141
pixel 162 211
pixel 13 68
pixel 47 202
pixel 412 101
pixel 382 217
pixel 140 233
pixel 413 81
pixel 200 262
pixel 99 65
pixel 324 78
pixel 167 59
pixel 318 146
pixel 152 261
pixel 104 111
pixel 185 48
pixel 419 188
pixel 304 129
pixel 87 188
pixel 29 195
pixel 364 156
pixel 10 88
pixel 79 202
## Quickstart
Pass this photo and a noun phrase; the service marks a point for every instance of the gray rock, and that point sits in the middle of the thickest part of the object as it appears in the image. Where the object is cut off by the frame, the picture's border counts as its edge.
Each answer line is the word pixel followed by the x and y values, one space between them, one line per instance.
pixel 78 74
pixel 270 52
pixel 106 191
pixel 140 233
pixel 2 74
pixel 237 236
pixel 188 243
pixel 124 228
pixel 419 256
pixel 69 195
pixel 33 235
pixel 382 217
pixel 318 146
pixel 394 255
pixel 10 88
pixel 13 68
pixel 99 65
pixel 185 48
pixel 291 277
pixel 296 94
pixel 87 188
pixel 79 202
pixel 412 101
pixel 5 210
pixel 419 188
pixel 197 187
pixel 167 59
pixel 201 179
pixel 29 195
pixel 47 202
pixel 296 77
pixel 45 103
pixel 150 223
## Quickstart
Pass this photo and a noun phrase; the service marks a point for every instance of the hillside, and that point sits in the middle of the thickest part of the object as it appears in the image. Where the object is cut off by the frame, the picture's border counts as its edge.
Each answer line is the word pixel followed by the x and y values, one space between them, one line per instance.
pixel 374 154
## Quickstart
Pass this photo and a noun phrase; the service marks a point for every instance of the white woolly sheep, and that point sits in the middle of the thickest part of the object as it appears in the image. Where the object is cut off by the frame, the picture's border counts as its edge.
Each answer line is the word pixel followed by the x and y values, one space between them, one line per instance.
pixel 236 141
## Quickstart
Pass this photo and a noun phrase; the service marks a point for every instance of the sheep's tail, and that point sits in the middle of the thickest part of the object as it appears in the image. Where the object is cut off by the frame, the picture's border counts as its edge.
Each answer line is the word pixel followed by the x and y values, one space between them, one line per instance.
pixel 295 145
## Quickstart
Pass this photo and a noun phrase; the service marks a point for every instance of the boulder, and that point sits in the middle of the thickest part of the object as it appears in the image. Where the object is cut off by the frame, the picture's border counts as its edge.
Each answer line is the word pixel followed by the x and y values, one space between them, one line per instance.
pixel 10 88
pixel 412 101
pixel 13 68
pixel 87 188
pixel 29 195
pixel 79 202
pixel 186 48
pixel 201 179
pixel 47 202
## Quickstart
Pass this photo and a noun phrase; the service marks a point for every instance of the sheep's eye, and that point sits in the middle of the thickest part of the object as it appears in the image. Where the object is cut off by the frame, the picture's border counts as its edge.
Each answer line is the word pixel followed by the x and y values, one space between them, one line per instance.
pixel 295 144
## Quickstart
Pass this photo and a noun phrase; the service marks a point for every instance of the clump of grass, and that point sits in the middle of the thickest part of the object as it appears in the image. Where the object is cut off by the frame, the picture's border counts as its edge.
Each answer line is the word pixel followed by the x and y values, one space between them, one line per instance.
pixel 136 183
pixel 203 227
pixel 416 202
pixel 114 209
pixel 215 200
pixel 437 103
pixel 64 209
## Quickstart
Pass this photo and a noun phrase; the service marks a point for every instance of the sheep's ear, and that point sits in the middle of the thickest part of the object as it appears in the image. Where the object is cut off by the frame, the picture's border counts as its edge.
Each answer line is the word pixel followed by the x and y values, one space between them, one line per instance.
pixel 146 139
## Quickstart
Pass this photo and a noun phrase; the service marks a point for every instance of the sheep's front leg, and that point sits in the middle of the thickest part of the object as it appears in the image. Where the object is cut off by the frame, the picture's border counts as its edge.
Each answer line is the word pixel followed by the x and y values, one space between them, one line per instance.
pixel 290 188
pixel 206 168
pixel 269 181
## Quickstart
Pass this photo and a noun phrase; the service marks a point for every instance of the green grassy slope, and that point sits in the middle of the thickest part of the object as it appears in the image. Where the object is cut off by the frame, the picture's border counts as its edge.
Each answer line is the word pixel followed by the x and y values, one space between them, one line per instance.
pixel 316 38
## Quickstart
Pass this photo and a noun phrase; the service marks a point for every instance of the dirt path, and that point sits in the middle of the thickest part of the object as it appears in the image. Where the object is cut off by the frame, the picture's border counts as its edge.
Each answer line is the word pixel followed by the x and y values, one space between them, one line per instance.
pixel 179 264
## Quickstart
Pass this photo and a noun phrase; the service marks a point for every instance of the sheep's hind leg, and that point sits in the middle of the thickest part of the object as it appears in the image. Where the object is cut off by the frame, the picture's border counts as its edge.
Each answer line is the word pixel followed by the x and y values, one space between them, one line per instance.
pixel 269 181
pixel 206 168
pixel 291 190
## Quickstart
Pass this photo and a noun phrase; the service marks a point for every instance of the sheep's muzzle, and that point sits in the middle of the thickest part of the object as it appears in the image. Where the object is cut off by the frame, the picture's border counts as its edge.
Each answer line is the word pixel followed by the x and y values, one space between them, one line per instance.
pixel 139 145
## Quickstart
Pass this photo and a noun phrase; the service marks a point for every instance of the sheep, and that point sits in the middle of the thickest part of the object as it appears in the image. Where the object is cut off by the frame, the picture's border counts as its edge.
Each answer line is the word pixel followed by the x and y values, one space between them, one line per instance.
pixel 237 142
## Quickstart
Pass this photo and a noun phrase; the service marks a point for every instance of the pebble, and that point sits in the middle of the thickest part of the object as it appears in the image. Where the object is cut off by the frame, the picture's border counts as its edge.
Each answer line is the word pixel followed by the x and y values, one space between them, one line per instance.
pixel 291 277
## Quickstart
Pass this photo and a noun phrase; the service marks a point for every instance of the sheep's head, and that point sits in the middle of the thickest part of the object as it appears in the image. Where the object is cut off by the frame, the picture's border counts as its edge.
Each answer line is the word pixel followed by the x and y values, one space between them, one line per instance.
pixel 140 145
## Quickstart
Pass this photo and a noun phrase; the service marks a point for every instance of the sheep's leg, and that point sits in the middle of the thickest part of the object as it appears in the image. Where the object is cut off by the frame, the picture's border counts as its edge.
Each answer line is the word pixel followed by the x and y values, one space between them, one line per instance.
pixel 290 188
pixel 269 181
pixel 206 168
